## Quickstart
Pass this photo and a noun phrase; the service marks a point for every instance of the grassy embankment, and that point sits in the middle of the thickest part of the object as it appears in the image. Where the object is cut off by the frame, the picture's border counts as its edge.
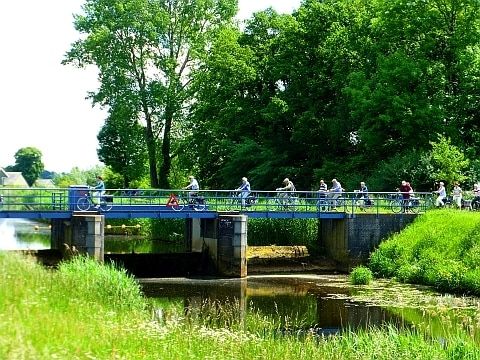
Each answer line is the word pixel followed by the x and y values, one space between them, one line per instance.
pixel 86 310
pixel 440 248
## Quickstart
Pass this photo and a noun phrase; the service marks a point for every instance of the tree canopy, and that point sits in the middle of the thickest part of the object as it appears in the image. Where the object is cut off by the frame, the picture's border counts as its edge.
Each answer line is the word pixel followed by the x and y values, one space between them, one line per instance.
pixel 28 161
pixel 349 89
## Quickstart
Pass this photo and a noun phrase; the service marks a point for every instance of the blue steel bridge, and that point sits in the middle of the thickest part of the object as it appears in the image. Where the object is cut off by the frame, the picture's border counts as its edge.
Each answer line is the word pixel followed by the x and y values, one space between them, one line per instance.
pixel 62 203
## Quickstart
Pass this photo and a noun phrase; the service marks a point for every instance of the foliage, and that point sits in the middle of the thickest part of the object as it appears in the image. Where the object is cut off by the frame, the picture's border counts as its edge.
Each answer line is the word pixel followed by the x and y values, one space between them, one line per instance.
pixel 361 275
pixel 28 161
pixel 149 54
pixel 78 176
pixel 283 232
pixel 353 90
pixel 448 161
pixel 101 308
pixel 122 145
pixel 441 248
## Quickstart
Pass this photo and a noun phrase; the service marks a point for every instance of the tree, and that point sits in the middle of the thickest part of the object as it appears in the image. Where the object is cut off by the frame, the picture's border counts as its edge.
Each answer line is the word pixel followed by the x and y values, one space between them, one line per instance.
pixel 148 53
pixel 122 145
pixel 448 161
pixel 28 161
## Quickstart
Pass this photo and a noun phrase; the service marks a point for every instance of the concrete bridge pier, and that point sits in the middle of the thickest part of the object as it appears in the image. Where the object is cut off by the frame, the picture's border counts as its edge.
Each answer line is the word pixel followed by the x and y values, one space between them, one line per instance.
pixel 83 234
pixel 350 241
pixel 225 241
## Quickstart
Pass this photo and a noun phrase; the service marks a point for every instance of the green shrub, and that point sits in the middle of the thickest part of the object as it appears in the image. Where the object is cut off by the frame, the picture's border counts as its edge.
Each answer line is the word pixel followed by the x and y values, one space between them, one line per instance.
pixel 361 275
pixel 440 248
pixel 409 273
pixel 101 283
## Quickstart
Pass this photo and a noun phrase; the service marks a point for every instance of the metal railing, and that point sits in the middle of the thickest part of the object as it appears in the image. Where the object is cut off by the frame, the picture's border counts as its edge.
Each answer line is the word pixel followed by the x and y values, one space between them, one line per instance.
pixel 66 199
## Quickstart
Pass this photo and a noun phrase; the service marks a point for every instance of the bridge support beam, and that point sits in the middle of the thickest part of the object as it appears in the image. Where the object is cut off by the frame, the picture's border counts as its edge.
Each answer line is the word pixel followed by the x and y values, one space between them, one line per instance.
pixel 350 241
pixel 83 234
pixel 225 241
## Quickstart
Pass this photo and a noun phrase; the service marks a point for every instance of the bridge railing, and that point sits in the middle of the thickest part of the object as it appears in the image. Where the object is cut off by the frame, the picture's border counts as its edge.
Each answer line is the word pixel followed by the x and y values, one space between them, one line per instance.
pixel 65 199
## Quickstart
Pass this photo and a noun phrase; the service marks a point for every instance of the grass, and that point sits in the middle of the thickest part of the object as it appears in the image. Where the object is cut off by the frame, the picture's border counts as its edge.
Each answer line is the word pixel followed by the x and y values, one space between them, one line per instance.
pixel 361 275
pixel 440 248
pixel 86 310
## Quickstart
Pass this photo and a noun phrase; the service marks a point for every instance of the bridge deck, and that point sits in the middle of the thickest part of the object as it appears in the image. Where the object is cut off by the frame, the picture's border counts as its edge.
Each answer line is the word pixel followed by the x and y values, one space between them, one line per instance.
pixel 173 204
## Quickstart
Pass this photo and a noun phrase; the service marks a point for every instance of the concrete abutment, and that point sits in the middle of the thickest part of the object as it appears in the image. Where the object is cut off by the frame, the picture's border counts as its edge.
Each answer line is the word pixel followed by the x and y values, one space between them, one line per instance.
pixel 223 240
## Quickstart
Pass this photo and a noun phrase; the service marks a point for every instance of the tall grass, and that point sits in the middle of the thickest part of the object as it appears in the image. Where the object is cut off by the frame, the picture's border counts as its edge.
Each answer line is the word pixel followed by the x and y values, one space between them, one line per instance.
pixel 91 311
pixel 283 232
pixel 441 248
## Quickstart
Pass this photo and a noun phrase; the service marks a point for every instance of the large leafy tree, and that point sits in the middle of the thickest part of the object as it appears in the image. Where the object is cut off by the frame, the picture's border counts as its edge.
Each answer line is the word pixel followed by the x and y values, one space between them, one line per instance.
pixel 122 145
pixel 148 53
pixel 28 161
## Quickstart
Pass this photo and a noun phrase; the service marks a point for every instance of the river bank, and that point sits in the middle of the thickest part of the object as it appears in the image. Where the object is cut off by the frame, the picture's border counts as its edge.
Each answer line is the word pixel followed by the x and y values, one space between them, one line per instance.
pixel 440 248
pixel 87 310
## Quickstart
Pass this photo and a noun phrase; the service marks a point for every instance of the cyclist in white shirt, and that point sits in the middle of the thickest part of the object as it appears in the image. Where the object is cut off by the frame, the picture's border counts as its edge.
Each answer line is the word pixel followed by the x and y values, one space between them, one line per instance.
pixel 442 194
pixel 193 186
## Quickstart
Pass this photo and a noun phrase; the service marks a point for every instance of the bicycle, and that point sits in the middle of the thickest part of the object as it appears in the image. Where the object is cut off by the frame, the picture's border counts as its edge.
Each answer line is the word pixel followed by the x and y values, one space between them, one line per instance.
pixel 330 201
pixel 235 201
pixel 364 203
pixel 196 202
pixel 286 201
pixel 399 204
pixel 86 203
pixel 323 204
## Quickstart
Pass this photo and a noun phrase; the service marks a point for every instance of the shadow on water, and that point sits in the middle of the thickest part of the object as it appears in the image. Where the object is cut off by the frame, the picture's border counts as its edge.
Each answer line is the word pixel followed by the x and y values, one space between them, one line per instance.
pixel 298 304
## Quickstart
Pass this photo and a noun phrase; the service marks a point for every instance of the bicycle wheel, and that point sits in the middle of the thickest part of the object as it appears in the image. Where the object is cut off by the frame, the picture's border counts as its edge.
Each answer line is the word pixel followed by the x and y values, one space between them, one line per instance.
pixel 198 205
pixel 105 205
pixel 83 204
pixel 322 205
pixel 414 206
pixel 396 206
pixel 178 205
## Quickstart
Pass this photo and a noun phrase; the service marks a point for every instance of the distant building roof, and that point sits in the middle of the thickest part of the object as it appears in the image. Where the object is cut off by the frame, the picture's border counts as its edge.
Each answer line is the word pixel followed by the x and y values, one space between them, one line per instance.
pixel 12 178
pixel 44 183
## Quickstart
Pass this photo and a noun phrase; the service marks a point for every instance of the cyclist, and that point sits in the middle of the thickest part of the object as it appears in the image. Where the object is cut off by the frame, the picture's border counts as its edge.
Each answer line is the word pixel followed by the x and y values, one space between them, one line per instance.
pixel 406 190
pixel 442 194
pixel 100 191
pixel 286 192
pixel 244 189
pixel 336 191
pixel 476 197
pixel 193 186
pixel 457 195
pixel 362 196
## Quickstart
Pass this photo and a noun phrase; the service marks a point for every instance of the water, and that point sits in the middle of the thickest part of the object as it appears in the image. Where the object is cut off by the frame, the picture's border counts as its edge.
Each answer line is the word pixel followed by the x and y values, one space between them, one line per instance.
pixel 298 303
pixel 22 234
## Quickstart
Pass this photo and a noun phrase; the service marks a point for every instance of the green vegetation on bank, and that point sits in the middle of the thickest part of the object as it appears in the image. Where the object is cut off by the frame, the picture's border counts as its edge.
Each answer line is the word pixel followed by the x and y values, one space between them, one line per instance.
pixel 440 248
pixel 361 275
pixel 87 310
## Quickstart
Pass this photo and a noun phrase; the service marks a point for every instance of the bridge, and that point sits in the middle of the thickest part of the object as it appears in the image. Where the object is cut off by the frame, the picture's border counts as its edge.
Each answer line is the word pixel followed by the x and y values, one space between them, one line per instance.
pixel 62 203
pixel 349 226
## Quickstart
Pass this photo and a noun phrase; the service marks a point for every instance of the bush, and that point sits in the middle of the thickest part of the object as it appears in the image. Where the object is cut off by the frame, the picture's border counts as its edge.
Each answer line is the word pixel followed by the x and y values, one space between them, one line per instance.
pixel 361 275
pixel 440 248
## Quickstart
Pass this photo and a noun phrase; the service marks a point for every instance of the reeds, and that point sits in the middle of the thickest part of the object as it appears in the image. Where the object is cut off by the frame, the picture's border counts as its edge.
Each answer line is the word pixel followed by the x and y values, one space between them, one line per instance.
pixel 87 310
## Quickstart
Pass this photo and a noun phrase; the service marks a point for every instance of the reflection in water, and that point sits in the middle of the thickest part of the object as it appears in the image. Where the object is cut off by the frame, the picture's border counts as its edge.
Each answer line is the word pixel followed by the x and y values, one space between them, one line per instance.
pixel 297 303
pixel 21 234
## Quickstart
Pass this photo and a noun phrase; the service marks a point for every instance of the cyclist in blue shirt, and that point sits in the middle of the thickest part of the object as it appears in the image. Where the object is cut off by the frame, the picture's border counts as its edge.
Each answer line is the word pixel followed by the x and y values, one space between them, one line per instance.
pixel 100 191
pixel 244 189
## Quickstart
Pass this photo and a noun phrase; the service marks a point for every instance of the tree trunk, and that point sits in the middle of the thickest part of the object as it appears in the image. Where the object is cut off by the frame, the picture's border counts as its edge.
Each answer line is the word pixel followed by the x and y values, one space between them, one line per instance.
pixel 166 159
pixel 152 153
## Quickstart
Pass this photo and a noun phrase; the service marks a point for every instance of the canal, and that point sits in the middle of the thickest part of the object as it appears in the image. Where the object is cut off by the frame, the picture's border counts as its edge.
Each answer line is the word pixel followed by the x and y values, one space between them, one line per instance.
pixel 296 303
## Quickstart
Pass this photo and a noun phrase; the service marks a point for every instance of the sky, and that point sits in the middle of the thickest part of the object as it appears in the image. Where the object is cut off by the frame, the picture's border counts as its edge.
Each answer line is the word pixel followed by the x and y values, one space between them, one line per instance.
pixel 42 102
